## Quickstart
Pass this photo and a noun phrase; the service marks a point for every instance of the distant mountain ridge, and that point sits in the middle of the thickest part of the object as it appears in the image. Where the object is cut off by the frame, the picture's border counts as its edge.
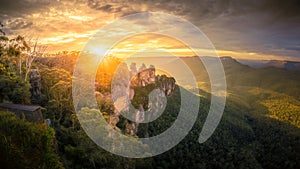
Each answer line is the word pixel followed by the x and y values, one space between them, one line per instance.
pixel 271 91
pixel 284 64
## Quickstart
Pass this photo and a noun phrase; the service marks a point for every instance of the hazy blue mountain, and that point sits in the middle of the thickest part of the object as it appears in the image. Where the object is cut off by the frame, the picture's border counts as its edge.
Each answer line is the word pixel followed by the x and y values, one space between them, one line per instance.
pixel 289 65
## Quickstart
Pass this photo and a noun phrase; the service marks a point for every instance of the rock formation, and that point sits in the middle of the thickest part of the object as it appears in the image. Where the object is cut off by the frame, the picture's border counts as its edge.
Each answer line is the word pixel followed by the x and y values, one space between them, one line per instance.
pixel 144 77
pixel 133 87
pixel 167 84
pixel 36 86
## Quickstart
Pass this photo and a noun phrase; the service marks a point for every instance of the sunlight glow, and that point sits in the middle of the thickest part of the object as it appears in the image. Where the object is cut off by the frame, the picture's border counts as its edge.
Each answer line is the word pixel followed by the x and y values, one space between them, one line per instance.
pixel 80 18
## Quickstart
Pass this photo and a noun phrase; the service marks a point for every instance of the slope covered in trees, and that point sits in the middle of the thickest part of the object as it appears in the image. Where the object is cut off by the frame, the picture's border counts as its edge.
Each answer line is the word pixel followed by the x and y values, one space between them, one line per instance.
pixel 246 138
pixel 259 129
pixel 274 92
pixel 26 145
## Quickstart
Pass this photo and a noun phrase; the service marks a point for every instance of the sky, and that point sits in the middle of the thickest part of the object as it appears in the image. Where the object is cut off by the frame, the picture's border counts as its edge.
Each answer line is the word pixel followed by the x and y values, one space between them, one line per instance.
pixel 253 29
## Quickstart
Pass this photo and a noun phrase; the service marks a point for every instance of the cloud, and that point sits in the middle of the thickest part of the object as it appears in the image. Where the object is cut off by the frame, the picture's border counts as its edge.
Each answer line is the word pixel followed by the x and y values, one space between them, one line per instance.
pixel 18 8
pixel 246 26
pixel 18 23
pixel 253 26
pixel 284 10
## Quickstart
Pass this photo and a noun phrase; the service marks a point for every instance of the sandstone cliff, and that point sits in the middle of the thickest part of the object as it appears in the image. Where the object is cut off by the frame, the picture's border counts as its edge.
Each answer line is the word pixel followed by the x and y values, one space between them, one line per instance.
pixel 142 89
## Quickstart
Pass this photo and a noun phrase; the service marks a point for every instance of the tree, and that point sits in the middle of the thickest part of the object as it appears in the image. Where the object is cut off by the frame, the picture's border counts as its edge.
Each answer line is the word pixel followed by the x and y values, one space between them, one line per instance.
pixel 34 52
pixel 18 54
pixel 26 145
pixel 12 85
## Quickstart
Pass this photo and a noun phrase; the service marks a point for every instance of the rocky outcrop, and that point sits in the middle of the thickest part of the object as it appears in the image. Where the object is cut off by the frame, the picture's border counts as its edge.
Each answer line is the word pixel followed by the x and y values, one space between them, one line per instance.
pixel 132 86
pixel 144 77
pixel 166 84
pixel 36 86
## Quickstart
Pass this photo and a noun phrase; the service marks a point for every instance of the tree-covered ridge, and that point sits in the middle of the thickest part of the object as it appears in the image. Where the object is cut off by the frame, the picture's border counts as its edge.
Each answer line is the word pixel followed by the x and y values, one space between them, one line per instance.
pixel 271 91
pixel 267 103
pixel 242 140
pixel 26 145
pixel 279 106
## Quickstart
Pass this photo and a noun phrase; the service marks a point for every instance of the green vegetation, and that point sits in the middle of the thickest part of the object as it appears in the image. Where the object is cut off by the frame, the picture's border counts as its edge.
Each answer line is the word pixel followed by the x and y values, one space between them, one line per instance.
pixel 259 129
pixel 278 106
pixel 240 141
pixel 26 145
pixel 13 70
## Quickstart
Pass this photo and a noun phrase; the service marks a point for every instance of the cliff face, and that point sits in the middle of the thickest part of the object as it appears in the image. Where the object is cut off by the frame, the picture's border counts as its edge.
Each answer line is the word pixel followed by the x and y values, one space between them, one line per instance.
pixel 144 77
pixel 143 89
pixel 166 84
pixel 147 77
